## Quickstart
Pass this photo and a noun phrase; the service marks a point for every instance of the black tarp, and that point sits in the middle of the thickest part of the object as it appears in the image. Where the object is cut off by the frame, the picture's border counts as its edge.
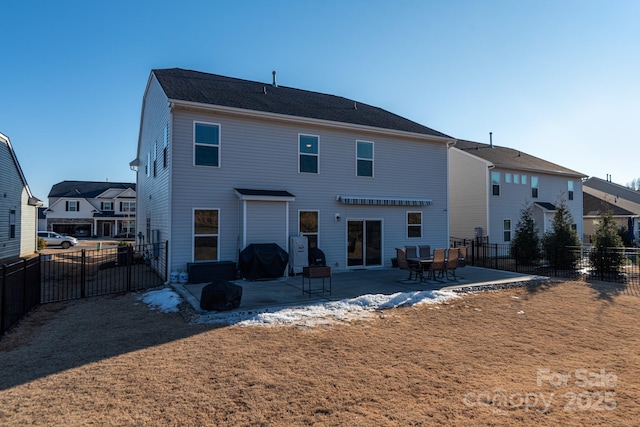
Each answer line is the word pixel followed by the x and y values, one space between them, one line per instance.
pixel 263 261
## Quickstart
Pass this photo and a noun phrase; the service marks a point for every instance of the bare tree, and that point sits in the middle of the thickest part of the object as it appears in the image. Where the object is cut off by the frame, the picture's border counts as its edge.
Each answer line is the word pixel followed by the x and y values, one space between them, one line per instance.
pixel 634 184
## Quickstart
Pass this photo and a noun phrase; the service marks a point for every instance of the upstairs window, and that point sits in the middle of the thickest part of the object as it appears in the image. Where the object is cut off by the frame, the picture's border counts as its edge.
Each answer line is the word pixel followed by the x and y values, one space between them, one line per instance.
pixel 570 190
pixel 12 224
pixel 495 183
pixel 165 147
pixel 507 178
pixel 364 158
pixel 106 206
pixel 128 207
pixel 516 178
pixel 155 159
pixel 524 180
pixel 206 140
pixel 309 227
pixel 308 150
pixel 72 206
pixel 534 187
pixel 414 224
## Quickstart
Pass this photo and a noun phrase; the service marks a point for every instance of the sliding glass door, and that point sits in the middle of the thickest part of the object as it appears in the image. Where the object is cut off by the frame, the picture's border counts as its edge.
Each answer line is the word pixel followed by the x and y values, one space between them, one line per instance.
pixel 364 240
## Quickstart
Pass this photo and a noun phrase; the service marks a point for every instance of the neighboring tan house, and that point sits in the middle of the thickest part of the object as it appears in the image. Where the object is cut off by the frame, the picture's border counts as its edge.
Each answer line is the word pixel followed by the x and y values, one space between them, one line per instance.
pixel 594 207
pixel 618 195
pixel 18 207
pixel 87 208
pixel 223 163
pixel 490 185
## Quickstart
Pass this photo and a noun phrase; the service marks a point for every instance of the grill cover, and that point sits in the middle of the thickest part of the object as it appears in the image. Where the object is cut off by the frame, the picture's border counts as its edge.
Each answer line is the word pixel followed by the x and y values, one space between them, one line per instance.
pixel 263 261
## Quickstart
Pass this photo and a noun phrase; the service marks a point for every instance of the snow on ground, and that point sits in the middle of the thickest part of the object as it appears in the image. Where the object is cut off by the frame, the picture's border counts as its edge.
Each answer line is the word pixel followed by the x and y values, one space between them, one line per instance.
pixel 361 307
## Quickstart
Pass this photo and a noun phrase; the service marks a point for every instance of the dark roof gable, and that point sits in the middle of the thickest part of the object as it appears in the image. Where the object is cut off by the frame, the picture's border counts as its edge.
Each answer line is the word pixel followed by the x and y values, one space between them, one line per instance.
pixel 595 206
pixel 617 190
pixel 204 88
pixel 510 158
pixel 86 189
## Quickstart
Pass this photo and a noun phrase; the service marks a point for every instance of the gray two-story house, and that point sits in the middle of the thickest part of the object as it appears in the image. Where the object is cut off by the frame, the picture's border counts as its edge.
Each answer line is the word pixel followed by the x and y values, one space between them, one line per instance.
pixel 18 207
pixel 224 162
pixel 491 184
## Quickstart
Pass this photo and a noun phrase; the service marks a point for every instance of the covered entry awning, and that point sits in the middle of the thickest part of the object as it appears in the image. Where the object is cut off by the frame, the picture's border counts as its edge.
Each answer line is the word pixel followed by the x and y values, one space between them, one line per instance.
pixel 384 201
pixel 267 195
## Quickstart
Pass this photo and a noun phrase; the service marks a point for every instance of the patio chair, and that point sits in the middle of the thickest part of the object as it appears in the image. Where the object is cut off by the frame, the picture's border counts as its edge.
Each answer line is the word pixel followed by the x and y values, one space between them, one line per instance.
pixel 462 256
pixel 425 251
pixel 412 252
pixel 438 264
pixel 403 264
pixel 452 263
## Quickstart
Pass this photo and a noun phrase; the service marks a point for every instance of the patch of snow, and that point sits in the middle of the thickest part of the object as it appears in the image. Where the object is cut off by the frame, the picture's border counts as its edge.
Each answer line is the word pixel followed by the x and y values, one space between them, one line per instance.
pixel 345 310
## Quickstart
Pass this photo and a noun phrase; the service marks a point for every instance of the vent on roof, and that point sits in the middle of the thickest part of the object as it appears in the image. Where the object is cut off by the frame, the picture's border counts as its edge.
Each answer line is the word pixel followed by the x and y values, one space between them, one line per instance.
pixel 275 84
pixel 491 139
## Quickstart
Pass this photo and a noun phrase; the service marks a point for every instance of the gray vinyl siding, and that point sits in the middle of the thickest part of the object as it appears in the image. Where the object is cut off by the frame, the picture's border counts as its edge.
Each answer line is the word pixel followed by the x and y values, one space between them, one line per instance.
pixel 262 154
pixel 469 192
pixel 14 197
pixel 153 192
pixel 266 223
pixel 513 197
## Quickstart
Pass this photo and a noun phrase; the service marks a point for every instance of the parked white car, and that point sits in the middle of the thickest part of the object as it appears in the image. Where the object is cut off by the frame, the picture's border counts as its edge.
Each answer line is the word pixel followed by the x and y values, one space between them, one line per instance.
pixel 55 239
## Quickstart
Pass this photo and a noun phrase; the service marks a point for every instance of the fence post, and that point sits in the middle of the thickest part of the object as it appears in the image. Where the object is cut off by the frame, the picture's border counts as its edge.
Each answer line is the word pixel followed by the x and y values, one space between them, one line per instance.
pixel 129 261
pixel 24 286
pixel 83 259
pixel 496 256
pixel 166 260
pixel 2 298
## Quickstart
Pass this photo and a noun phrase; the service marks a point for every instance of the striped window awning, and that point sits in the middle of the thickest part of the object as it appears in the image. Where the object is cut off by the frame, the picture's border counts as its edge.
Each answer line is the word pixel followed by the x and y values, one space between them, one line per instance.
pixel 383 201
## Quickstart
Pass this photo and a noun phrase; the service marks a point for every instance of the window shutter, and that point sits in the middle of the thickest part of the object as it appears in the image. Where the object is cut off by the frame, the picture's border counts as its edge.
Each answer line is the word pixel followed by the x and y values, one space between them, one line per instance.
pixel 67 206
pixel 120 206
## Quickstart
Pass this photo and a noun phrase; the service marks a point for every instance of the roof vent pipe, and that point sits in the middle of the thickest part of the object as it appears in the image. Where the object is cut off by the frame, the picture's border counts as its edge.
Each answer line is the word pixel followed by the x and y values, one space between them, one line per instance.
pixel 491 139
pixel 274 78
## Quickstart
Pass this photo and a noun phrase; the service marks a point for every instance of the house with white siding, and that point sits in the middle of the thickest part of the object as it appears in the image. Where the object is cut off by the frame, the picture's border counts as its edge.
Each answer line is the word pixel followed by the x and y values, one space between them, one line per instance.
pixel 18 207
pixel 92 208
pixel 223 163
pixel 620 196
pixel 490 185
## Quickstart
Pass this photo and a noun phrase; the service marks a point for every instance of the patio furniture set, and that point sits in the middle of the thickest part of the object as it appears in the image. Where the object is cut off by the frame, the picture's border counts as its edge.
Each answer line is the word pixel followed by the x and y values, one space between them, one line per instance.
pixel 426 266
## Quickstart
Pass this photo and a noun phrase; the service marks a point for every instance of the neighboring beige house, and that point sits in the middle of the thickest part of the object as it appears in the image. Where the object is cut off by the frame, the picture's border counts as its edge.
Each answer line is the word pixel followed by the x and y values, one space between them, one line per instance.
pixel 617 195
pixel 489 185
pixel 18 207
pixel 594 207
pixel 87 208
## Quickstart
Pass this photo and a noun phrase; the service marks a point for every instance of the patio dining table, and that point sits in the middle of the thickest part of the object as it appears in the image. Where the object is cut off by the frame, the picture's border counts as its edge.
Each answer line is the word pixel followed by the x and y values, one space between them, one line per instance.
pixel 425 264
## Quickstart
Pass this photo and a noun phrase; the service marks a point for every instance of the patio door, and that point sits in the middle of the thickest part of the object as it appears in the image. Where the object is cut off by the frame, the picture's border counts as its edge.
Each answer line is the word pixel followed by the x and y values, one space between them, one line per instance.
pixel 364 241
pixel 106 229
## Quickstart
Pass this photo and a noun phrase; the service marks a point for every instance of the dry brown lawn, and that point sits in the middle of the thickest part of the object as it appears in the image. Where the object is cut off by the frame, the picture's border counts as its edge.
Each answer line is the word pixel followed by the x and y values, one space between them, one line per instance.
pixel 566 354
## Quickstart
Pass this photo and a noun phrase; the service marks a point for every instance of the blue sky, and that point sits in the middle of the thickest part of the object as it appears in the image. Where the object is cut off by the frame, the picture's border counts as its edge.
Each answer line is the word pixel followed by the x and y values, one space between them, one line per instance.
pixel 557 79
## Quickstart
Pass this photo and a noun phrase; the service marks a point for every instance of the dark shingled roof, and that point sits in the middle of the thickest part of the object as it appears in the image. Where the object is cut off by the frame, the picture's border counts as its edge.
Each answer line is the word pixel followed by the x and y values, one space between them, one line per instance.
pixel 204 88
pixel 612 188
pixel 86 189
pixel 594 206
pixel 515 159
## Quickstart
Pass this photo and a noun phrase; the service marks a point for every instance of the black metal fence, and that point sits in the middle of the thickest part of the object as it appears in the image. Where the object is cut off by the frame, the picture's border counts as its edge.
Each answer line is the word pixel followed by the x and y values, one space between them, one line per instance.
pixel 19 291
pixel 78 274
pixel 579 262
pixel 87 273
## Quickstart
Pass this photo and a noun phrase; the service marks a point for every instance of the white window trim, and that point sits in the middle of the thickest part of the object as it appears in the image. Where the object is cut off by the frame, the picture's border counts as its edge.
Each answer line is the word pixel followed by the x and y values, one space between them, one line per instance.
pixel 421 225
pixel 208 145
pixel 193 234
pixel 317 233
pixel 372 159
pixel 510 229
pixel 300 153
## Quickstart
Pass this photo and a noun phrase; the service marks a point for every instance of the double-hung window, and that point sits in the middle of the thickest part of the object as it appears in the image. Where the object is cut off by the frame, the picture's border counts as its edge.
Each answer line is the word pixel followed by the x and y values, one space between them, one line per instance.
pixel 495 183
pixel 73 206
pixel 206 140
pixel 205 234
pixel 12 224
pixel 364 158
pixel 570 190
pixel 308 153
pixel 414 224
pixel 106 206
pixel 309 227
pixel 128 207
pixel 155 159
pixel 506 227
pixel 165 147
pixel 534 187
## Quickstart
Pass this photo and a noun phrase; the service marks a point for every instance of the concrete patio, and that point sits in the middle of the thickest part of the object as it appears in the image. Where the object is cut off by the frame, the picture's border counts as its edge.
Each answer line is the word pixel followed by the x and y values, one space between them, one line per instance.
pixel 287 291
